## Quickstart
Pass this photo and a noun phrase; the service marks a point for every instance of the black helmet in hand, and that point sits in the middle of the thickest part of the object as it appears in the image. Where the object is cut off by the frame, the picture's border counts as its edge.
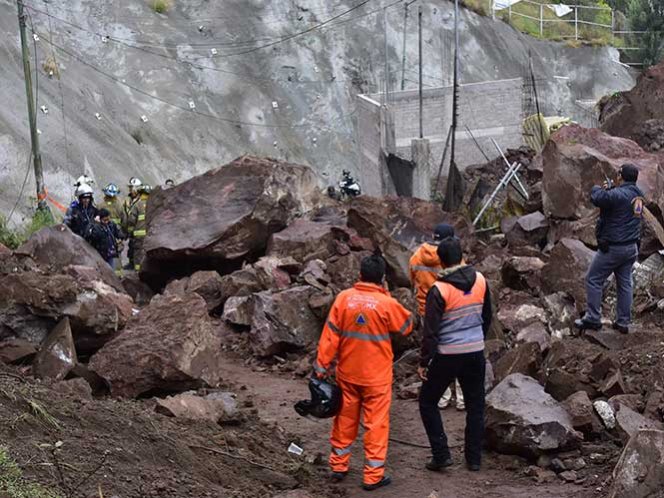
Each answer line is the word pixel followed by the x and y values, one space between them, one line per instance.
pixel 325 400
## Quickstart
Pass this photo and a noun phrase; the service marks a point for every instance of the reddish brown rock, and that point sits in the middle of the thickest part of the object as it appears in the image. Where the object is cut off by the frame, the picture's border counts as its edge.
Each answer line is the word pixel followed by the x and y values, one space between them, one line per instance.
pixel 216 407
pixel 535 333
pixel 632 401
pixel 581 411
pixel 57 355
pixel 5 252
pixel 629 422
pixel 569 262
pixel 76 388
pixel 208 285
pixel 613 385
pixel 321 303
pixel 224 216
pixel 242 282
pixel 57 247
pixel 139 291
pixel 305 240
pixel 238 310
pixel 17 351
pixel 171 345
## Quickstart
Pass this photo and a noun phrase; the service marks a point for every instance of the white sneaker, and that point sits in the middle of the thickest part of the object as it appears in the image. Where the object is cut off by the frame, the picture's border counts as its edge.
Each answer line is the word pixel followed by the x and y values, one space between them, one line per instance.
pixel 461 406
pixel 443 403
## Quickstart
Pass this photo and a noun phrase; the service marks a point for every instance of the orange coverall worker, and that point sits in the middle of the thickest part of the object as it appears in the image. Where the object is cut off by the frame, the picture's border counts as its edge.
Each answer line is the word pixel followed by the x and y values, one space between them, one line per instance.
pixel 357 333
pixel 424 268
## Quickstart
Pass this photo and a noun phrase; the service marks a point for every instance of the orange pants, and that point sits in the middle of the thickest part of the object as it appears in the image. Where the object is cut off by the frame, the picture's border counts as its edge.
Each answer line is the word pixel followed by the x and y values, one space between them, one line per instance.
pixel 374 404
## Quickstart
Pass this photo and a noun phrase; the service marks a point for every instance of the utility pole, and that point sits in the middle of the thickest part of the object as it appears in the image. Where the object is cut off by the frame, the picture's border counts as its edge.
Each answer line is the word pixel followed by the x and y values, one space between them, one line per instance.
pixel 387 66
pixel 34 137
pixel 419 29
pixel 453 194
pixel 403 49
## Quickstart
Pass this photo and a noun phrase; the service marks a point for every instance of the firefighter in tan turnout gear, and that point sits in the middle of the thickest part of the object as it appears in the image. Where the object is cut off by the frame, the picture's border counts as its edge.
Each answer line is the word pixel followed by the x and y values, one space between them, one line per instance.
pixel 136 226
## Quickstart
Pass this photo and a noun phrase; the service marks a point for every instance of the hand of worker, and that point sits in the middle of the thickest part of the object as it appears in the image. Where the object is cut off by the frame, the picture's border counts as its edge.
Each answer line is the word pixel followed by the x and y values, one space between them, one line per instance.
pixel 422 372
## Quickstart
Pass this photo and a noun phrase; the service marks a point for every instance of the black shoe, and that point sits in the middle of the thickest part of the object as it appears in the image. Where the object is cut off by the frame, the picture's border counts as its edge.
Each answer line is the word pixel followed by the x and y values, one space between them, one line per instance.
pixel 385 481
pixel 473 467
pixel 338 476
pixel 623 329
pixel 583 324
pixel 436 465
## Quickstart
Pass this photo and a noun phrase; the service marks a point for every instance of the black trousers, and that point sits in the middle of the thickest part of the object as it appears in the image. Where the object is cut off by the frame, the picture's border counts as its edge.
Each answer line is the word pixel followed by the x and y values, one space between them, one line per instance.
pixel 469 368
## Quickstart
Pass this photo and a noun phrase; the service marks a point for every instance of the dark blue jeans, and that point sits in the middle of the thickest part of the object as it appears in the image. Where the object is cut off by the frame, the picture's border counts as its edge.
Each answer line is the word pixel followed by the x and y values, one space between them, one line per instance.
pixel 618 260
pixel 469 368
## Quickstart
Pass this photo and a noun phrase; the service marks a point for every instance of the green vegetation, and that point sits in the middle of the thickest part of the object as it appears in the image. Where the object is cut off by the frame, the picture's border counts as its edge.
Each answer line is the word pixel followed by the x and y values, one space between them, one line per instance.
pixel 161 6
pixel 648 16
pixel 481 7
pixel 14 485
pixel 13 238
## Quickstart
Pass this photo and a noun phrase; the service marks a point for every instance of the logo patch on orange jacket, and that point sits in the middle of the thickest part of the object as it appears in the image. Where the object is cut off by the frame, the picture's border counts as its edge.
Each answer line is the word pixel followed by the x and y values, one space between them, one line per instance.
pixel 361 319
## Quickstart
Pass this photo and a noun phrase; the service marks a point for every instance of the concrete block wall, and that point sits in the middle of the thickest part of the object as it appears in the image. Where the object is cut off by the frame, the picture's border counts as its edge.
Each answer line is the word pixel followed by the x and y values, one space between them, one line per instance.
pixel 492 109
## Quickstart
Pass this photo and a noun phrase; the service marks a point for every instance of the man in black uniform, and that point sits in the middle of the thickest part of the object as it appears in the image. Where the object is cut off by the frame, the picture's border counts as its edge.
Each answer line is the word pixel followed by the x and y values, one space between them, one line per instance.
pixel 618 237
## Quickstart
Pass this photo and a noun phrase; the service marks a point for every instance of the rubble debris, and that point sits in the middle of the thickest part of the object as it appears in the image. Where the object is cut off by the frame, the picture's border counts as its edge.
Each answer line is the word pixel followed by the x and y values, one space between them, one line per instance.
pixel 398 225
pixel 613 385
pixel 170 346
pixel 216 219
pixel 208 285
pixel 517 317
pixel 535 333
pixel 238 310
pixel 218 407
pixel 522 419
pixel 139 291
pixel 569 261
pixel 77 388
pixel 639 472
pixel 561 313
pixel 305 240
pixel 282 321
pixel 632 401
pixel 606 413
pixel 629 422
pixel 57 355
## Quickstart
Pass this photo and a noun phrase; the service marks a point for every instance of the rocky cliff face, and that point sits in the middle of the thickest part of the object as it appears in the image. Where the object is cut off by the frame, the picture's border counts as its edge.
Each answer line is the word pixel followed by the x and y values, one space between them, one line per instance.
pixel 292 100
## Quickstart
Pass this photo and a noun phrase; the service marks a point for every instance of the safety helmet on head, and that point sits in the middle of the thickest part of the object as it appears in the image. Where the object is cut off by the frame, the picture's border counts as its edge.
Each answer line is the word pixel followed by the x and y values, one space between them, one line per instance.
pixel 111 190
pixel 135 182
pixel 145 189
pixel 84 180
pixel 325 400
pixel 84 190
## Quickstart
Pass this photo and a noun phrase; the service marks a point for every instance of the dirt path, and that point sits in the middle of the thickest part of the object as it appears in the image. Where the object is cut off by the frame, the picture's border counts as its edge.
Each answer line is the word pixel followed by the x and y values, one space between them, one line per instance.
pixel 273 396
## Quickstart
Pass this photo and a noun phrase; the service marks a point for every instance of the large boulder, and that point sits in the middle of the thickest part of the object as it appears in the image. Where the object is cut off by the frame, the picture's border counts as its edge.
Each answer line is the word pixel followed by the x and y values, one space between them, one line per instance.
pixel 305 240
pixel 57 356
pixel 522 273
pixel 522 419
pixel 639 472
pixel 95 310
pixel 398 225
pixel 282 321
pixel 566 269
pixel 226 215
pixel 57 247
pixel 171 345
pixel 577 158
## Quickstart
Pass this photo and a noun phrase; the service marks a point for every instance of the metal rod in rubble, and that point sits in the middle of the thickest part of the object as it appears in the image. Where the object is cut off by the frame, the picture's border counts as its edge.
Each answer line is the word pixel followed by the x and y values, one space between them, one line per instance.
pixel 511 172
pixel 523 190
pixel 419 29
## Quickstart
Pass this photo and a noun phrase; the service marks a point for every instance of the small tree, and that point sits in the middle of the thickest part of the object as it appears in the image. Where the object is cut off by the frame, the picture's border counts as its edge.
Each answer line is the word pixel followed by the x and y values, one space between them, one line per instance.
pixel 648 16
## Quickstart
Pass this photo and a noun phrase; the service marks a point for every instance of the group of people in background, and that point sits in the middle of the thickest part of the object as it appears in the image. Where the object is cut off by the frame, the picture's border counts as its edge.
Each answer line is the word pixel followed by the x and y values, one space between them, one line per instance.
pixel 106 228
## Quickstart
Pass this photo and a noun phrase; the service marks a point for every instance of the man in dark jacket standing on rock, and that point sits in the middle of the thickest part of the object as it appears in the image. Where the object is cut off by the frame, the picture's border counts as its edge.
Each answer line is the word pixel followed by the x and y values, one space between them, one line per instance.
pixel 618 236
pixel 457 318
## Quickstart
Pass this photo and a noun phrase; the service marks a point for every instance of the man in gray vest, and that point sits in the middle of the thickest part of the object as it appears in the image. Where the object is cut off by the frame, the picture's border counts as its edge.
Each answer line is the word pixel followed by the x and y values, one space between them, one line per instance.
pixel 618 238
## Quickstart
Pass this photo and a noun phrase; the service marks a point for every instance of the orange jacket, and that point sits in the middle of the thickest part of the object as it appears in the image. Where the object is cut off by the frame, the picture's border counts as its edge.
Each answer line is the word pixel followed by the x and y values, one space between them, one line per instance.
pixel 424 268
pixel 358 332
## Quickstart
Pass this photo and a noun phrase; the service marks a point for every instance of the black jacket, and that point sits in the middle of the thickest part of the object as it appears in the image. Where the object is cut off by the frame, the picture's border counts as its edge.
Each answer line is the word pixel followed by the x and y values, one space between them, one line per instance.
pixel 619 217
pixel 463 279
pixel 79 218
pixel 104 238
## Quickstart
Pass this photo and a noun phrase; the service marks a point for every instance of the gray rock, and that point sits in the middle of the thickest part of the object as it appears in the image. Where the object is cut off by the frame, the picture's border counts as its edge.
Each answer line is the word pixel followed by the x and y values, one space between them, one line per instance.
pixel 639 472
pixel 606 413
pixel 569 261
pixel 581 412
pixel 528 230
pixel 57 355
pixel 522 419
pixel 629 422
pixel 238 310
pixel 536 333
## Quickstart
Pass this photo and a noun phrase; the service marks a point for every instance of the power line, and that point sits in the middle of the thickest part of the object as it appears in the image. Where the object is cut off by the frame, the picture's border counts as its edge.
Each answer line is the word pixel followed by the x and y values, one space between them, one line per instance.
pixel 183 108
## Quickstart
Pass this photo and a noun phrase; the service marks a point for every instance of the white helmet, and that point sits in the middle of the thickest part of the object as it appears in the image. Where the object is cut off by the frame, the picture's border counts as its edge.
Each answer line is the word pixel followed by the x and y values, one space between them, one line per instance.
pixel 84 190
pixel 84 180
pixel 135 182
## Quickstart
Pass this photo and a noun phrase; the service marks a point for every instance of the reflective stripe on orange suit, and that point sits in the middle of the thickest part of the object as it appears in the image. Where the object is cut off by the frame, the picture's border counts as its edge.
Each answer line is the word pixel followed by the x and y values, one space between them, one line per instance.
pixel 357 333
pixel 424 267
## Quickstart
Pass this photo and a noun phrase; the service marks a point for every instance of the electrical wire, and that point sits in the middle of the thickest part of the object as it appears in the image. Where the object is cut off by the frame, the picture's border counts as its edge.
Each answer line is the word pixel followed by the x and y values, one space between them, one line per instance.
pixel 171 104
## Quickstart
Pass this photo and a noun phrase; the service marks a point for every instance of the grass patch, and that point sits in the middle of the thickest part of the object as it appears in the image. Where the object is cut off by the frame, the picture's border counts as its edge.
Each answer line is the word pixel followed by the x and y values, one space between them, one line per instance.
pixel 12 238
pixel 481 7
pixel 161 6
pixel 14 485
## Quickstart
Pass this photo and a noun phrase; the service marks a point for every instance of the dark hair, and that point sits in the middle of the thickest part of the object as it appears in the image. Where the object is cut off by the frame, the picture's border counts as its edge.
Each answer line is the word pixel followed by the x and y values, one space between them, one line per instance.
pixel 629 172
pixel 104 213
pixel 450 252
pixel 372 269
